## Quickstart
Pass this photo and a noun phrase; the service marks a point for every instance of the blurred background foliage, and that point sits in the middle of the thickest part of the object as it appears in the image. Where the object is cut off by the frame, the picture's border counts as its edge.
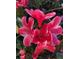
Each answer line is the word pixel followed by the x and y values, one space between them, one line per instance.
pixel 46 6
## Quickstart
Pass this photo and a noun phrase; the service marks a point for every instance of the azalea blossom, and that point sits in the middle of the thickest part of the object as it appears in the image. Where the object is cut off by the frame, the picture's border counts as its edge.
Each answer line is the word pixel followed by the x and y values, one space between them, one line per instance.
pixel 39 15
pixel 56 29
pixel 21 3
pixel 42 37
pixel 48 32
pixel 46 37
pixel 26 30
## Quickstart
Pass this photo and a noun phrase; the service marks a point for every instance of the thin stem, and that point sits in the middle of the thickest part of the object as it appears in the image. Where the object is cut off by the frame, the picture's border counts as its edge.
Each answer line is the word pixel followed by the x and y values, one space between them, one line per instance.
pixel 57 8
pixel 18 36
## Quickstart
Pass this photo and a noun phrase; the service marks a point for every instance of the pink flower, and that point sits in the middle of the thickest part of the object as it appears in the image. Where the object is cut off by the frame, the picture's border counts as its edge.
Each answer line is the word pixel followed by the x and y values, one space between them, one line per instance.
pixel 27 30
pixel 56 29
pixel 21 3
pixel 39 15
pixel 48 32
pixel 22 54
pixel 46 37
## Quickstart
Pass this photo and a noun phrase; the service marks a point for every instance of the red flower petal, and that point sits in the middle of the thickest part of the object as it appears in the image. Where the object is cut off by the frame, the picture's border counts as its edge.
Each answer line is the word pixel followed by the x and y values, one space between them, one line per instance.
pixel 50 15
pixel 30 22
pixel 36 32
pixel 17 4
pixel 30 12
pixel 36 38
pixel 38 50
pixel 41 35
pixel 24 23
pixel 57 30
pixel 55 22
pixel 50 48
pixel 27 40
pixel 55 40
pixel 39 16
pixel 22 31
pixel 44 29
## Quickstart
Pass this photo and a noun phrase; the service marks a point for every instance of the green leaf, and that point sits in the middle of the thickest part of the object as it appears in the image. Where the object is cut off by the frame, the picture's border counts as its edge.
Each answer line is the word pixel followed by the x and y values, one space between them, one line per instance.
pixel 59 55
pixel 18 46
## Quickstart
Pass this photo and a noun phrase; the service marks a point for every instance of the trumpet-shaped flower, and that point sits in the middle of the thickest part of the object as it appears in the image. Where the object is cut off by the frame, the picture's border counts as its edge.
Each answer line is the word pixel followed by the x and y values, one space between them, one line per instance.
pixel 27 30
pixel 46 37
pixel 39 15
pixel 56 29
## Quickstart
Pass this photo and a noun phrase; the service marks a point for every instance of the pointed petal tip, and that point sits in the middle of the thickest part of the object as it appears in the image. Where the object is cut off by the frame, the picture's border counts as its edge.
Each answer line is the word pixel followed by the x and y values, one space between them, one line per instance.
pixel 29 11
pixel 50 15
pixel 27 41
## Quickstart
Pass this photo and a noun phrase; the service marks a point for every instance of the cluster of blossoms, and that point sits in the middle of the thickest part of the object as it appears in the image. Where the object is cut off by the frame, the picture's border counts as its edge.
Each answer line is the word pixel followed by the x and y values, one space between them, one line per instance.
pixel 45 35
